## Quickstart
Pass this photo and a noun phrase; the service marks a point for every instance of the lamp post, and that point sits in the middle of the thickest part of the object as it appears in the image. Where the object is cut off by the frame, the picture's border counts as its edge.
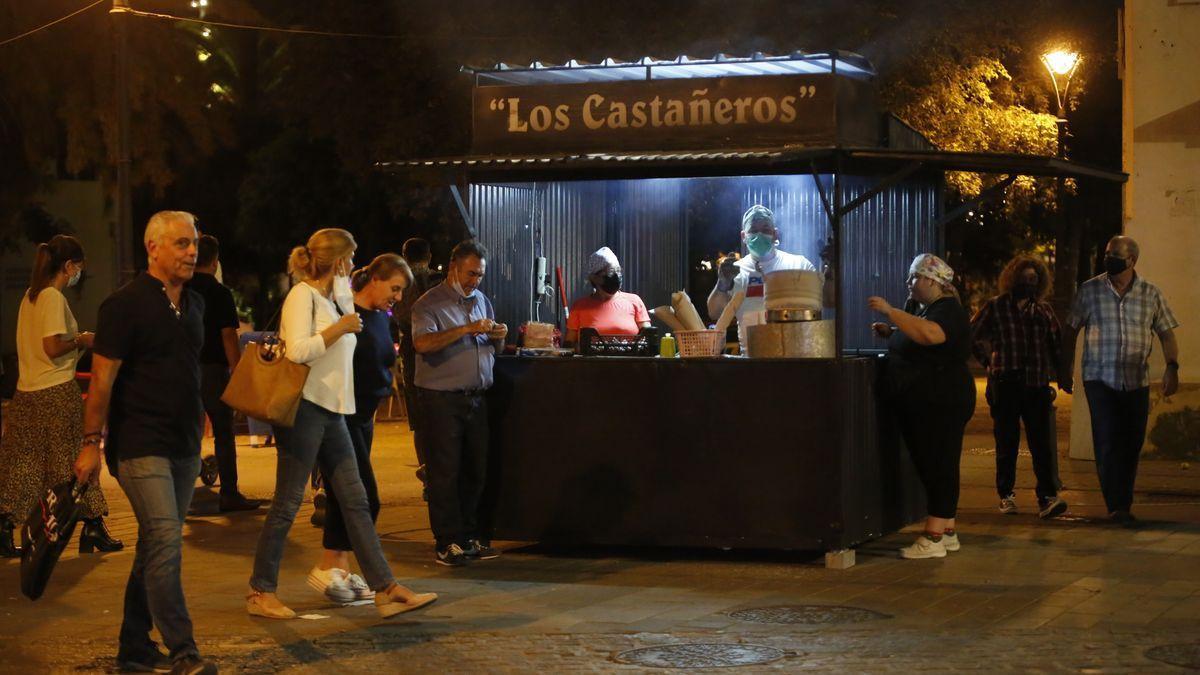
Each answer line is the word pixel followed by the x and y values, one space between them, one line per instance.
pixel 1061 65
pixel 123 239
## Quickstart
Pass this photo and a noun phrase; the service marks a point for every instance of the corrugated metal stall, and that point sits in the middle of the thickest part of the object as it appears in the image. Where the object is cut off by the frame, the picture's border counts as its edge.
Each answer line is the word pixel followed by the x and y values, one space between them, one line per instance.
pixel 879 238
pixel 641 220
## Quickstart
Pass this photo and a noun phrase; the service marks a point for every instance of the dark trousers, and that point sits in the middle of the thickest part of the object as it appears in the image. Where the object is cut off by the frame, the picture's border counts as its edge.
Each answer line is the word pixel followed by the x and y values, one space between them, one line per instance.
pixel 361 426
pixel 455 429
pixel 1118 431
pixel 159 490
pixel 408 360
pixel 932 419
pixel 213 379
pixel 1012 402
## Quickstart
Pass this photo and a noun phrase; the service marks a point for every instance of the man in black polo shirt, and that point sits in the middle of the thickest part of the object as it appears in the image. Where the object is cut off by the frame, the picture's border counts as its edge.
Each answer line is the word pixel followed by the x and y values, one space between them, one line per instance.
pixel 217 358
pixel 146 386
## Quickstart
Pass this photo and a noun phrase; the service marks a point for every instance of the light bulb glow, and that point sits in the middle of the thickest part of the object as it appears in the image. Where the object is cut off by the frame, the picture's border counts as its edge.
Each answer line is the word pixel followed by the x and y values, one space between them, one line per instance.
pixel 1061 62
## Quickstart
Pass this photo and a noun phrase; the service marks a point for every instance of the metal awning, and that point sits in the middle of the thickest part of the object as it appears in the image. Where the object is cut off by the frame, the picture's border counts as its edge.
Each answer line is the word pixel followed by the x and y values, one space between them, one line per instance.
pixel 783 160
pixel 650 68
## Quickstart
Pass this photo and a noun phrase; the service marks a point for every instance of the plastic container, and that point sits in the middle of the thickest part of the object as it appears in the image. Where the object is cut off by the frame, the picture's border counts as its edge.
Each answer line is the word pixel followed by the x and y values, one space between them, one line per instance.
pixel 666 346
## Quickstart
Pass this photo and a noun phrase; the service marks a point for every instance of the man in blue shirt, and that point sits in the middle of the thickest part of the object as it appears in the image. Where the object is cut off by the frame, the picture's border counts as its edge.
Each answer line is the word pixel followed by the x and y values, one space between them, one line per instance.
pixel 1120 314
pixel 456 339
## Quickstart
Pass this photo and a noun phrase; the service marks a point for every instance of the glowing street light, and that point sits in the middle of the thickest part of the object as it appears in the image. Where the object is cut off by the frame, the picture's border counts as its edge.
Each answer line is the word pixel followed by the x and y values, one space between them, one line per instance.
pixel 1061 64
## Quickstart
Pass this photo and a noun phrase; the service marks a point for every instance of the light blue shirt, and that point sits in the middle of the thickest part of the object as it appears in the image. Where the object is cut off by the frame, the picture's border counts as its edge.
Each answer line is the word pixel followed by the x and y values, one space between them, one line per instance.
pixel 1119 330
pixel 465 364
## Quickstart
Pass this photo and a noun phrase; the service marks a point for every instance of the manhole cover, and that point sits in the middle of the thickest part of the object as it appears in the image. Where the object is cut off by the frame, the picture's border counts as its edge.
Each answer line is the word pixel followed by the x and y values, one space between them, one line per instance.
pixel 1185 655
pixel 710 655
pixel 807 614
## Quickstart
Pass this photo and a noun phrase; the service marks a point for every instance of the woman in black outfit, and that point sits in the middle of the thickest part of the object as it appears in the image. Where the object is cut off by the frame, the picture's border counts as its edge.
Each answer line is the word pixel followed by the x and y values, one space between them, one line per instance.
pixel 376 288
pixel 931 392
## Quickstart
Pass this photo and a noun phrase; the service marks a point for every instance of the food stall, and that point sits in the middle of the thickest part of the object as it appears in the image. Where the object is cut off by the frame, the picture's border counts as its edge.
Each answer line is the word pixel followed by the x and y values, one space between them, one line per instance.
pixel 654 158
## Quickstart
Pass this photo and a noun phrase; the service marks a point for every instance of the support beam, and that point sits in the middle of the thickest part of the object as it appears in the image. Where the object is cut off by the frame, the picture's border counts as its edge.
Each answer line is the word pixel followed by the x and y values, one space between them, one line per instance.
pixel 987 195
pixel 462 209
pixel 821 191
pixel 880 187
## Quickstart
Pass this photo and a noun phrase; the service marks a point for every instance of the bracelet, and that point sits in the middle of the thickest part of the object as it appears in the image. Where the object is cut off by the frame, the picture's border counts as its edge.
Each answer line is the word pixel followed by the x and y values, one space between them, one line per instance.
pixel 89 440
pixel 1173 364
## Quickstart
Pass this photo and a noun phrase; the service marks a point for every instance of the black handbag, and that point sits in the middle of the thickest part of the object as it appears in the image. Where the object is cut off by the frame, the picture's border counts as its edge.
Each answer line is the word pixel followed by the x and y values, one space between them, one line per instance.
pixel 46 533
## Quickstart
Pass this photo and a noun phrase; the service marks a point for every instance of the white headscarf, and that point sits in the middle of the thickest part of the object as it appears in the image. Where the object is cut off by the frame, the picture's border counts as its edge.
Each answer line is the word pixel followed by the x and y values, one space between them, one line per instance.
pixel 602 261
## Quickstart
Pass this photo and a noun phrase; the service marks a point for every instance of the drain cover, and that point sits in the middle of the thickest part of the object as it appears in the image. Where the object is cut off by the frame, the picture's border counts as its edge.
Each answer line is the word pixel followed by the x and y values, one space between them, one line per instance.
pixel 807 614
pixel 703 655
pixel 1185 655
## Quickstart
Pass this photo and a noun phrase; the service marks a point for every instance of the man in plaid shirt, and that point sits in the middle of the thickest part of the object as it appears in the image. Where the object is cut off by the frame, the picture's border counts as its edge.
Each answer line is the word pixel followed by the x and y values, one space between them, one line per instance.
pixel 1120 313
pixel 1017 338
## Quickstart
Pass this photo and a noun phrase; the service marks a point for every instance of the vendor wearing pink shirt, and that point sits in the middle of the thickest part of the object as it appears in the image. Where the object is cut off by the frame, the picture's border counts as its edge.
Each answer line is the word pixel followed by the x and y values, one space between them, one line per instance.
pixel 609 310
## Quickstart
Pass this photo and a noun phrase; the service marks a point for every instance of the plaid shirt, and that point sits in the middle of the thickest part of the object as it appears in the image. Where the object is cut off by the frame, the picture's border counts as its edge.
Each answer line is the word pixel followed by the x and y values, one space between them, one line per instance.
pixel 1120 330
pixel 1006 337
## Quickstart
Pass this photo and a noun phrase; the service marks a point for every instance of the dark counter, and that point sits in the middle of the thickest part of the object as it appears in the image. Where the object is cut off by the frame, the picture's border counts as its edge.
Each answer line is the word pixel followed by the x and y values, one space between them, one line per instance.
pixel 770 453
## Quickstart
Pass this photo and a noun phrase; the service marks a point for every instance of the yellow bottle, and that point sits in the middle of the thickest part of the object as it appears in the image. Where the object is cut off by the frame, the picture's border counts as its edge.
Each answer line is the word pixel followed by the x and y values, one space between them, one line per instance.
pixel 666 346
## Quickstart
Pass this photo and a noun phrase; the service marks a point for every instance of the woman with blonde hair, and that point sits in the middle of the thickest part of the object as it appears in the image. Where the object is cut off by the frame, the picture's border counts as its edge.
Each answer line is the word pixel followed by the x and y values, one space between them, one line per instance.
pixel 318 328
pixel 45 419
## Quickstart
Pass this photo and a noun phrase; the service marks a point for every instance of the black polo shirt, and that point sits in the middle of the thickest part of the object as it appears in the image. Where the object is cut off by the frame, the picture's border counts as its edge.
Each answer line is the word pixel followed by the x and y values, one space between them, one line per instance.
pixel 155 408
pixel 220 312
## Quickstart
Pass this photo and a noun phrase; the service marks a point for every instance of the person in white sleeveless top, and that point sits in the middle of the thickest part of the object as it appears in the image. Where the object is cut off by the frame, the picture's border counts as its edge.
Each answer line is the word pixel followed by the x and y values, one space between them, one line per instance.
pixel 748 275
pixel 45 419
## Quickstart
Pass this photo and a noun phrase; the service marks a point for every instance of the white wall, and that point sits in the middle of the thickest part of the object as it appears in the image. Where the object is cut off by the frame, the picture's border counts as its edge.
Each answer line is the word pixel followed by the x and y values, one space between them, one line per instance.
pixel 1161 147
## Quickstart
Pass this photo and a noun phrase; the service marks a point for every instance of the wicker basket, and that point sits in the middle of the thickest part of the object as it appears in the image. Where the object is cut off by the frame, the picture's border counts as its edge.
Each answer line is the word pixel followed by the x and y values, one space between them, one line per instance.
pixel 699 343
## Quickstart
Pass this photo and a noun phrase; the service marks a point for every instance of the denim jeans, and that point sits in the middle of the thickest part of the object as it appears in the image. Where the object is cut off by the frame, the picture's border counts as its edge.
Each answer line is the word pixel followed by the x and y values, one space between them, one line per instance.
pixel 361 426
pixel 213 379
pixel 319 436
pixel 456 437
pixel 1012 402
pixel 159 490
pixel 1118 432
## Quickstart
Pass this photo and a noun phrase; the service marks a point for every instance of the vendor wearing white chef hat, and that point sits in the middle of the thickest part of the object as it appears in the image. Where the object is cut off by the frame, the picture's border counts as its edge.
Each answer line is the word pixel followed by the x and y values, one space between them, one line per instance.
pixel 607 309
pixel 748 274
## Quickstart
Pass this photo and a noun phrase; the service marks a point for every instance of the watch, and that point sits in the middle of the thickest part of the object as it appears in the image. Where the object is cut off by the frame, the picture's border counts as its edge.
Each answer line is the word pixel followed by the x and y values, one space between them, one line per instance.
pixel 1173 364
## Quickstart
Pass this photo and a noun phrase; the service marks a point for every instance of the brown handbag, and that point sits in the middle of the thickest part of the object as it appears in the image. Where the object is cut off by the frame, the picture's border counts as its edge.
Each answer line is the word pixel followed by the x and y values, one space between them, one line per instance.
pixel 266 385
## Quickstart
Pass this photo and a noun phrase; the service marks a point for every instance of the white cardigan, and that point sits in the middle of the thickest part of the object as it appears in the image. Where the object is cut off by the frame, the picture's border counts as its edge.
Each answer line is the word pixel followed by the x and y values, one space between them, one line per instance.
pixel 330 381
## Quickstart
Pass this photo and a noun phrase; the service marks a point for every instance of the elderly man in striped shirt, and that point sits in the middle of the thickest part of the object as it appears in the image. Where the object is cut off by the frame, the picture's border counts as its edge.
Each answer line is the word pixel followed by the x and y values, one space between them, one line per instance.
pixel 1120 314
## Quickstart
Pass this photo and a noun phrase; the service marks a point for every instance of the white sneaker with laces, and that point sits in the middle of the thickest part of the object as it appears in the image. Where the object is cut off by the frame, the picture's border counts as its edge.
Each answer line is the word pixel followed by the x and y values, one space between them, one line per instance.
pixel 923 547
pixel 950 541
pixel 331 583
pixel 361 590
pixel 1008 504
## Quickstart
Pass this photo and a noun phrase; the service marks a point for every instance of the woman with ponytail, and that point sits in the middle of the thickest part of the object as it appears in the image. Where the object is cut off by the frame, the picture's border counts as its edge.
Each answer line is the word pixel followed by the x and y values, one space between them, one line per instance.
pixel 318 328
pixel 45 419
pixel 376 288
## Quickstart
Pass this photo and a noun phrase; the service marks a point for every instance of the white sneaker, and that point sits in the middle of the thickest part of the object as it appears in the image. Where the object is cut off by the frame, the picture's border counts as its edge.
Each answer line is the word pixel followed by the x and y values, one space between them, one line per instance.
pixel 331 583
pixel 1008 504
pixel 950 541
pixel 361 590
pixel 924 547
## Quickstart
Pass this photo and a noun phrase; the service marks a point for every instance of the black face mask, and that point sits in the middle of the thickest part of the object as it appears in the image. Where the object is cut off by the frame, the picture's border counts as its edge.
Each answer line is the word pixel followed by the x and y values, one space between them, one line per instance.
pixel 611 283
pixel 1024 291
pixel 1114 265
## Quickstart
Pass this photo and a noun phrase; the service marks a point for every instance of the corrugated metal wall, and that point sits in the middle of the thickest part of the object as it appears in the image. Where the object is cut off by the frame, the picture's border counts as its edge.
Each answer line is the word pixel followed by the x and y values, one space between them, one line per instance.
pixel 880 238
pixel 640 220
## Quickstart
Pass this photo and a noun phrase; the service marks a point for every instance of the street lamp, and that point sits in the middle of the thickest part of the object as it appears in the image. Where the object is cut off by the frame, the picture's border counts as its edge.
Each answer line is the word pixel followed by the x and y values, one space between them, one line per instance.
pixel 1061 64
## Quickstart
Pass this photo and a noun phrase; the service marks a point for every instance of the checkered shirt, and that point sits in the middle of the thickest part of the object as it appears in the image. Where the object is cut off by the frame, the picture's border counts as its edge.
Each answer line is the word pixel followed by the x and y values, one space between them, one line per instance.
pixel 1119 331
pixel 1006 337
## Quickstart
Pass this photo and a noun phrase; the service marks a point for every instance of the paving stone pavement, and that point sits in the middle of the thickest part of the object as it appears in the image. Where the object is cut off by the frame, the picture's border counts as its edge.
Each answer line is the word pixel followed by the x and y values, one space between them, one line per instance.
pixel 1070 595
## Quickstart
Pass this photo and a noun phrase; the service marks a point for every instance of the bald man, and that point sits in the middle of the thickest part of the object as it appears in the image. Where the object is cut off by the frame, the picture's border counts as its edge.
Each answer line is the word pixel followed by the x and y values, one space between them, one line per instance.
pixel 1121 312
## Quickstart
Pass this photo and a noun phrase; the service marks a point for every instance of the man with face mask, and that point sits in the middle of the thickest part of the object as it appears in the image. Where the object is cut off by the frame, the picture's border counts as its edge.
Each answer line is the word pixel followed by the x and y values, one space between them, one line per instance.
pixel 1017 338
pixel 456 338
pixel 1121 312
pixel 748 275
pixel 608 309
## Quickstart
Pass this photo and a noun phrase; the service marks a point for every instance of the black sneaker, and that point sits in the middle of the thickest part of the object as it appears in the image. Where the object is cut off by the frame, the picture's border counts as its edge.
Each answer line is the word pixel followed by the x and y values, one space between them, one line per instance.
pixel 194 665
pixel 238 502
pixel 1123 518
pixel 1051 507
pixel 451 556
pixel 477 550
pixel 149 662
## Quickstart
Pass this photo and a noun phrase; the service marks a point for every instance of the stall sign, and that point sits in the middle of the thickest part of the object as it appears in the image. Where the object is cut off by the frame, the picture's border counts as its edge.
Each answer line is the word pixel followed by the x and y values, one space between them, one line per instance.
pixel 669 114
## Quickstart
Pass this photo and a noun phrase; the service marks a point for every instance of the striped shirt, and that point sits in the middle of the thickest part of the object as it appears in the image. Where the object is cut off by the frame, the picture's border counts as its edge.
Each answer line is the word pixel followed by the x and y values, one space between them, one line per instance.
pixel 1009 338
pixel 1119 330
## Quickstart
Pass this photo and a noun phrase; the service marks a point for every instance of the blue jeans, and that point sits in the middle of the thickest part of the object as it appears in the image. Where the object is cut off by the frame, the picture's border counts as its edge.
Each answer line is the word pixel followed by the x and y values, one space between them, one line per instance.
pixel 1118 432
pixel 319 436
pixel 159 489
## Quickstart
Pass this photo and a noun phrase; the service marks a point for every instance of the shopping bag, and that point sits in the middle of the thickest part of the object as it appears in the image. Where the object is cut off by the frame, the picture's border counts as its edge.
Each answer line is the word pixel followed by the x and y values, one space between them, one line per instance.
pixel 46 533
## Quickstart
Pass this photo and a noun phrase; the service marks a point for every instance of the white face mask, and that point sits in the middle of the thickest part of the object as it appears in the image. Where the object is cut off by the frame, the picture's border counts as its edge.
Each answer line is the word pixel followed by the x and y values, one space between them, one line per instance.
pixel 458 287
pixel 342 289
pixel 75 278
